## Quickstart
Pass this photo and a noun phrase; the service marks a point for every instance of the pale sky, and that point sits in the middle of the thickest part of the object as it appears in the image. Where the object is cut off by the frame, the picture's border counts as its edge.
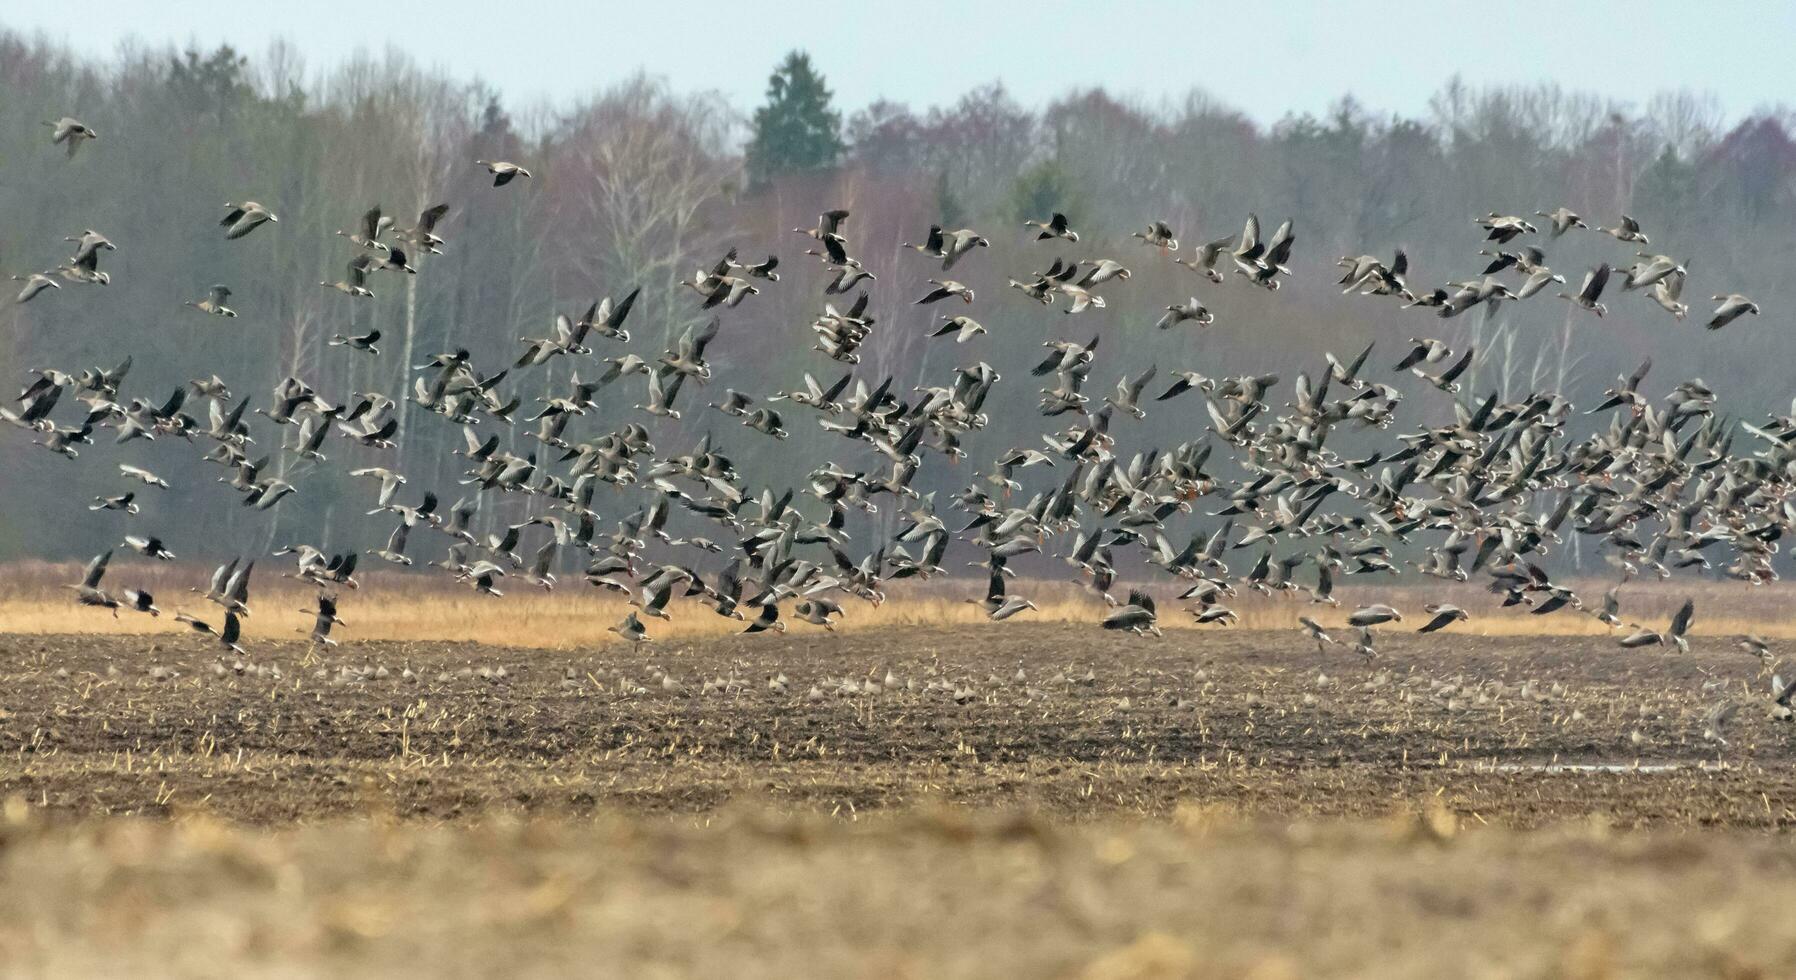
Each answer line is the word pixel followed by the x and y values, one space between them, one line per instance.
pixel 1264 58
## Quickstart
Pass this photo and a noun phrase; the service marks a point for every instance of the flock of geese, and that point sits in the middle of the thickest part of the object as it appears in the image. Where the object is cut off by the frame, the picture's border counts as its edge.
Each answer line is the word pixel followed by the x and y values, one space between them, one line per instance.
pixel 1658 486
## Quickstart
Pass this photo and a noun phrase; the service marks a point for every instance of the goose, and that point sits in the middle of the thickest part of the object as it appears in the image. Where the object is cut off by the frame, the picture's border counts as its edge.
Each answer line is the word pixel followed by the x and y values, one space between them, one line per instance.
pixel 630 628
pixel 87 243
pixel 817 611
pixel 364 342
pixel 1082 298
pixel 829 225
pixel 934 244
pixel 1054 227
pixel 1102 271
pixel 241 219
pixel 324 617
pixel 1366 646
pixel 356 281
pixel 1733 306
pixel 1444 616
pixel 769 619
pixel 71 133
pixel 1128 392
pixel 1504 228
pixel 1563 219
pixel 945 288
pixel 1158 235
pixel 424 235
pixel 1203 260
pixel 88 591
pixel 956 244
pixel 227 637
pixel 214 302
pixel 1374 615
pixel 142 475
pixel 1627 231
pixel 503 171
pixel 1314 631
pixel 35 283
pixel 1137 616
pixel 139 600
pixel 1448 380
pixel 395 548
pixel 964 328
pixel 1650 271
pixel 124 501
pixel 1537 281
pixel 1591 289
pixel 1190 310
pixel 368 230
pixel 1667 293
pixel 148 546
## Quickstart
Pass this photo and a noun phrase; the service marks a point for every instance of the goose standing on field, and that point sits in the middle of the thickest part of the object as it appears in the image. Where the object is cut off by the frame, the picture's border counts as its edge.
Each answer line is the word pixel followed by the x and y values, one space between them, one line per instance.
pixel 214 303
pixel 503 171
pixel 1054 227
pixel 244 218
pixel 72 133
pixel 1733 306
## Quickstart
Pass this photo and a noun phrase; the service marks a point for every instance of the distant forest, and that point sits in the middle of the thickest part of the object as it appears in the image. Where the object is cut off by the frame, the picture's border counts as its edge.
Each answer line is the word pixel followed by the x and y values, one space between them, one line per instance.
pixel 639 185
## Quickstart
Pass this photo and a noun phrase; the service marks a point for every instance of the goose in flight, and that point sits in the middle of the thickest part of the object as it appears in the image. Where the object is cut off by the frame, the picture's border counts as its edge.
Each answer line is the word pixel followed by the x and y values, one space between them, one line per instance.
pixel 71 133
pixel 1137 616
pixel 1054 227
pixel 503 171
pixel 1159 235
pixel 1733 306
pixel 355 282
pixel 35 283
pixel 1190 310
pixel 149 546
pixel 368 230
pixel 630 628
pixel 1563 219
pixel 424 235
pixel 945 288
pixel 1680 625
pixel 1203 259
pixel 964 328
pixel 1627 231
pixel 227 637
pixel 214 302
pixel 244 218
pixel 364 342
pixel 1374 615
pixel 1591 290
pixel 1444 616
pixel 88 591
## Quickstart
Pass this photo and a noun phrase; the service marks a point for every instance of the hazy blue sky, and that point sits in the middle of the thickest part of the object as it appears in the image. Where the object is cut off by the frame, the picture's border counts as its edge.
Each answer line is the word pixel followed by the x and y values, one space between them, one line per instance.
pixel 1265 58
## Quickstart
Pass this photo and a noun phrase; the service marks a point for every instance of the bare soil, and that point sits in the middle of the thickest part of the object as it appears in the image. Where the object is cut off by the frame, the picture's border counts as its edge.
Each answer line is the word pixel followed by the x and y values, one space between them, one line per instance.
pixel 1065 721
